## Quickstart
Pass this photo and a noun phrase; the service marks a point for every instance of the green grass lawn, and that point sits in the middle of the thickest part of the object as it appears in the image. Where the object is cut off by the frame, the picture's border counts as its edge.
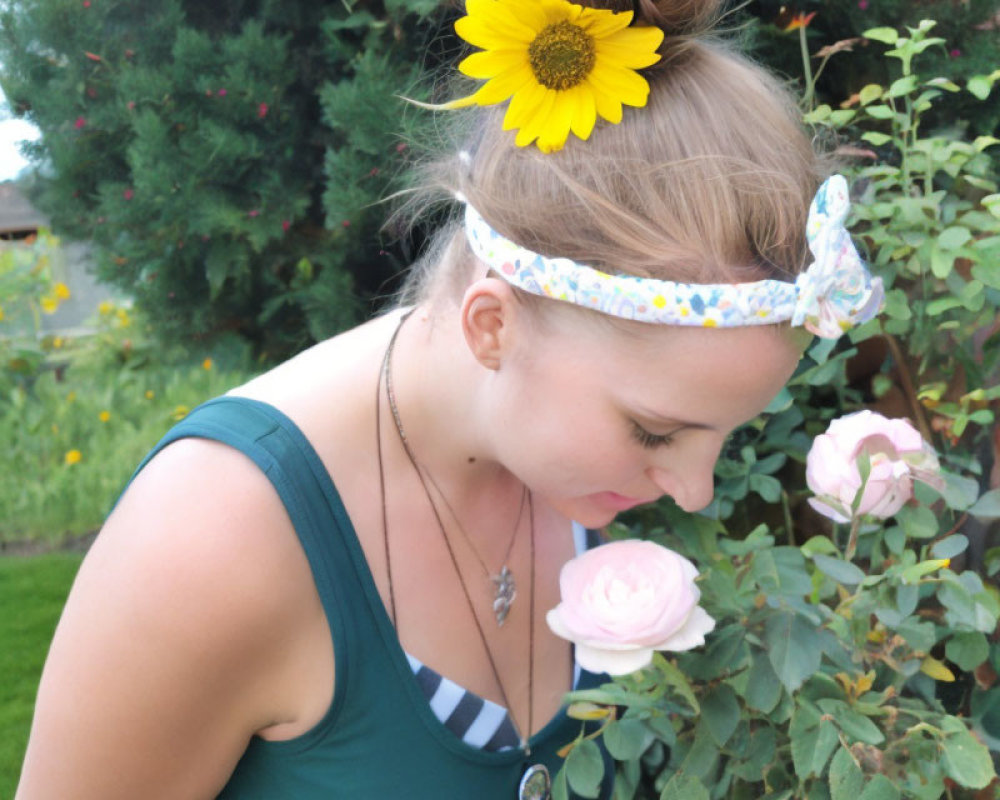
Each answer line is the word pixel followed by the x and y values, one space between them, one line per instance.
pixel 32 593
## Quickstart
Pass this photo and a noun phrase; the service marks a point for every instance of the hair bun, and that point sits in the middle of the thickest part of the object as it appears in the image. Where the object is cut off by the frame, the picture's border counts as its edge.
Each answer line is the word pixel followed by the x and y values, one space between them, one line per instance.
pixel 675 17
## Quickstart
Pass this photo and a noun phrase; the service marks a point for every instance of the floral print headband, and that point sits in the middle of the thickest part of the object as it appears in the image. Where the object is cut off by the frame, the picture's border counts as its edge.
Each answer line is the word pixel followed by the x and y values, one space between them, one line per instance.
pixel 835 293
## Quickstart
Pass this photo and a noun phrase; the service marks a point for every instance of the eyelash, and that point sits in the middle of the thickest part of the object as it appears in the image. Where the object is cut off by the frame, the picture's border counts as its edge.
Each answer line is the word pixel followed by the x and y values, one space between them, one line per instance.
pixel 650 440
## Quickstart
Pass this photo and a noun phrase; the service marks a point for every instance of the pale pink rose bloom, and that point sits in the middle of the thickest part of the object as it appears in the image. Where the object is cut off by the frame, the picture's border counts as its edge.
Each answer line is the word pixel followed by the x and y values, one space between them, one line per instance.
pixel 897 454
pixel 623 600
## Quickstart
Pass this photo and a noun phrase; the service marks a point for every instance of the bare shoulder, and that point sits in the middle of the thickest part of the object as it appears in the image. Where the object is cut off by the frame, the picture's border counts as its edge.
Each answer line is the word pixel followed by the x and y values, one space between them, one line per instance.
pixel 173 647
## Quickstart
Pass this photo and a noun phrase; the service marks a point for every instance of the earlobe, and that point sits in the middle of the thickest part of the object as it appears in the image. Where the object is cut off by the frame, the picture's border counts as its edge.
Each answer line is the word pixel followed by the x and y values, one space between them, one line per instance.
pixel 486 317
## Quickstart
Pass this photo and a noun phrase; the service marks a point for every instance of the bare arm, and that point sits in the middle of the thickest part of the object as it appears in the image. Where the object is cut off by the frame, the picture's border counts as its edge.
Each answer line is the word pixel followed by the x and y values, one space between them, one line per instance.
pixel 179 637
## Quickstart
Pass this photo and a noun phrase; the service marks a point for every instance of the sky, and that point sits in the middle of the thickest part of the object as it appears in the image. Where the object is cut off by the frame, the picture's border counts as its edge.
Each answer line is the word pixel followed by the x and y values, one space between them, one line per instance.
pixel 11 132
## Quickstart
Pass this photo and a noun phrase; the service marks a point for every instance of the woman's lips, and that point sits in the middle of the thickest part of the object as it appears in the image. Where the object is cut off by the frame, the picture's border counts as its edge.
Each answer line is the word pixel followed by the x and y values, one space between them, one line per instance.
pixel 618 502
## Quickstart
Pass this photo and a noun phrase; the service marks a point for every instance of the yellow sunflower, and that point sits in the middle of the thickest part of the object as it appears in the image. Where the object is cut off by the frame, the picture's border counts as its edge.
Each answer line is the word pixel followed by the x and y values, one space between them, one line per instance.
pixel 561 65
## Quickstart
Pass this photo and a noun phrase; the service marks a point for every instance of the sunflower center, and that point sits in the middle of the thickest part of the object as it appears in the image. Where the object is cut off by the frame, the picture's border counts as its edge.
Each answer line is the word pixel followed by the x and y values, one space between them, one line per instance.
pixel 562 55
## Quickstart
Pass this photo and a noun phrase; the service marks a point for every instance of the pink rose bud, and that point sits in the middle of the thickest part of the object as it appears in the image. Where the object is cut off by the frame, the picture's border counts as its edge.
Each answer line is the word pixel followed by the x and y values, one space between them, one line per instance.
pixel 897 455
pixel 623 600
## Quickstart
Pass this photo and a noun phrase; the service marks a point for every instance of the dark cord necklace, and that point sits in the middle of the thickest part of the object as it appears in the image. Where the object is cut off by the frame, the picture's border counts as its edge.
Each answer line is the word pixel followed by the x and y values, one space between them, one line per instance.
pixel 385 374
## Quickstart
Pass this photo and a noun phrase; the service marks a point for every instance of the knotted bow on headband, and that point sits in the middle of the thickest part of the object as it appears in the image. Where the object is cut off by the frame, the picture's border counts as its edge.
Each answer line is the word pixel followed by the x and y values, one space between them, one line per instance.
pixel 835 293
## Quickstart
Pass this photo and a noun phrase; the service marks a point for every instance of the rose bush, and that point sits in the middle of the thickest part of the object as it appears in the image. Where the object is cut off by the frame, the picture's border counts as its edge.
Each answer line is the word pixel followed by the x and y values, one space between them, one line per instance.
pixel 625 599
pixel 896 455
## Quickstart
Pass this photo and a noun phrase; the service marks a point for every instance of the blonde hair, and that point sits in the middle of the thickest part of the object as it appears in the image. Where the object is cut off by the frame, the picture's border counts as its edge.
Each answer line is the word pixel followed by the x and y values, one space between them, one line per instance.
pixel 709 182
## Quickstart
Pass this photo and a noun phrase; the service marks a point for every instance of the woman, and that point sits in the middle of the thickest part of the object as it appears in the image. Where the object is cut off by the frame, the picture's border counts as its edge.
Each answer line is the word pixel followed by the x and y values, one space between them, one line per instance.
pixel 241 628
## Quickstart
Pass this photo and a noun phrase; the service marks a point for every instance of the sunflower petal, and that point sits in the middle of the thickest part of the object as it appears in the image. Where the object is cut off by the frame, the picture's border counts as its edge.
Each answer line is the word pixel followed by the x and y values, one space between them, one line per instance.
pixel 599 22
pixel 524 104
pixel 625 57
pixel 556 130
pixel 481 34
pixel 585 115
pixel 498 89
pixel 645 38
pixel 490 63
pixel 534 126
pixel 625 50
pixel 529 12
pixel 627 86
pixel 608 106
pixel 499 19
pixel 558 10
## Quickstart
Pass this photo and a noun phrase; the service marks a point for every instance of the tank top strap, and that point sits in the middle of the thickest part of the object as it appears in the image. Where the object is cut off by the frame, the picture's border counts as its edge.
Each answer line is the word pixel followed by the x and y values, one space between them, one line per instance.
pixel 281 451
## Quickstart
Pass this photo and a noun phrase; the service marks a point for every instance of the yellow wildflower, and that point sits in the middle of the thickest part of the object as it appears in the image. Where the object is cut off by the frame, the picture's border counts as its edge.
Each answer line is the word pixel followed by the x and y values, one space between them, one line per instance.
pixel 104 416
pixel 57 342
pixel 179 413
pixel 73 457
pixel 49 304
pixel 106 307
pixel 61 291
pixel 150 394
pixel 70 396
pixel 206 364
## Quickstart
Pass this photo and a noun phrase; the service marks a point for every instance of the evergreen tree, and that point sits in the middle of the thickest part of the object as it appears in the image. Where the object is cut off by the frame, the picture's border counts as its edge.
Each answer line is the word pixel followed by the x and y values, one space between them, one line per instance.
pixel 224 158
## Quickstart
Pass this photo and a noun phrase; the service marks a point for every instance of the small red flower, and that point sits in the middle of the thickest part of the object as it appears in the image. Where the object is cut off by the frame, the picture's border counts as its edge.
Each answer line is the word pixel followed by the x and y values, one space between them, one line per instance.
pixel 254 212
pixel 863 5
pixel 955 53
pixel 373 172
pixel 346 223
pixel 222 92
pixel 80 122
pixel 86 3
pixel 285 225
pixel 401 147
pixel 129 53
pixel 262 110
pixel 130 105
pixel 128 194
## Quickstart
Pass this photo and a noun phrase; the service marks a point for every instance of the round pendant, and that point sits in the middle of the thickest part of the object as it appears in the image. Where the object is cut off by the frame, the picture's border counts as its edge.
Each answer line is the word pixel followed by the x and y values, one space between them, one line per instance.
pixel 535 784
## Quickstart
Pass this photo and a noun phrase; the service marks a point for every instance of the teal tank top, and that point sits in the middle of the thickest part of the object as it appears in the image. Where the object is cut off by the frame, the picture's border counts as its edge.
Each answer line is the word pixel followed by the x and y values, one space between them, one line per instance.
pixel 379 738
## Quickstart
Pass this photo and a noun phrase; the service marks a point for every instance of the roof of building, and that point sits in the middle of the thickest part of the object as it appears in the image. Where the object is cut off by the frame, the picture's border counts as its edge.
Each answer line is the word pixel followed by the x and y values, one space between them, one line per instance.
pixel 16 213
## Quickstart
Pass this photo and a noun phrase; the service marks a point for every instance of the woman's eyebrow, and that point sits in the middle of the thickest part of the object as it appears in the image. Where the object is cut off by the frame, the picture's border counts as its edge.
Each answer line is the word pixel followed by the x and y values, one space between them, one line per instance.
pixel 646 415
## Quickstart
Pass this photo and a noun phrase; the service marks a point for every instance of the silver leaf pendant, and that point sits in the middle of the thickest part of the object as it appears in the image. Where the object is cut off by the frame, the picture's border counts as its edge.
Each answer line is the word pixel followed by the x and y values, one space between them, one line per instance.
pixel 504 592
pixel 535 784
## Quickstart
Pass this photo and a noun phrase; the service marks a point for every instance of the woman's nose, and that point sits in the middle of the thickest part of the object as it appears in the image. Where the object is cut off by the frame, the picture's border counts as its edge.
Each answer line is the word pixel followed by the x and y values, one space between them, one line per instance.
pixel 691 485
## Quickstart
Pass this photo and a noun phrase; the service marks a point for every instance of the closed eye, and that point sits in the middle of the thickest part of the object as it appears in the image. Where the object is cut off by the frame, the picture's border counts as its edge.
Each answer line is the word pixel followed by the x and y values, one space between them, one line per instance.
pixel 650 440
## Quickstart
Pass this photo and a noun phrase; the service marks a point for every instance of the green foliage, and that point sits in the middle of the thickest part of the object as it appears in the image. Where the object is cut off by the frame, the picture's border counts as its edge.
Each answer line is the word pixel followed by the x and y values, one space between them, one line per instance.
pixel 28 290
pixel 225 164
pixel 969 30
pixel 930 216
pixel 828 677
pixel 75 428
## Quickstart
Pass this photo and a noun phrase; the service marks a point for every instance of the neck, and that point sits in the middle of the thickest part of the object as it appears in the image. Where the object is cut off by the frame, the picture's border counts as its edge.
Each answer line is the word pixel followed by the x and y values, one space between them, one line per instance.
pixel 436 385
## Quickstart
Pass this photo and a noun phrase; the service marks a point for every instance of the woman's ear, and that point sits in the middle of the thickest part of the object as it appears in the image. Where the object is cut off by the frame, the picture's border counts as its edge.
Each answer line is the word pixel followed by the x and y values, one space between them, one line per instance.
pixel 487 313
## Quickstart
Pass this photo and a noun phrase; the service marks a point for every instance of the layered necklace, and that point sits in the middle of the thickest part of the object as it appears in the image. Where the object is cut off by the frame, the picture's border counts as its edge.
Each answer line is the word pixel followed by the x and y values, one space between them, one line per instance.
pixel 504 585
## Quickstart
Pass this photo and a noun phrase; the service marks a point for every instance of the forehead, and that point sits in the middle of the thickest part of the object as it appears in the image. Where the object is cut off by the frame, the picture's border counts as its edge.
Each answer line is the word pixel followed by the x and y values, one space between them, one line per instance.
pixel 721 377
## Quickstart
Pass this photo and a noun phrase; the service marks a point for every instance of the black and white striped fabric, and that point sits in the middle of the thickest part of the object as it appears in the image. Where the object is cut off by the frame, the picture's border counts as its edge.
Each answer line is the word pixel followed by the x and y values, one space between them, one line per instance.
pixel 476 721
